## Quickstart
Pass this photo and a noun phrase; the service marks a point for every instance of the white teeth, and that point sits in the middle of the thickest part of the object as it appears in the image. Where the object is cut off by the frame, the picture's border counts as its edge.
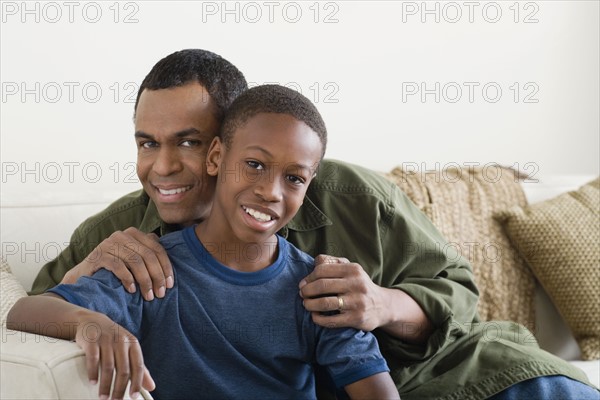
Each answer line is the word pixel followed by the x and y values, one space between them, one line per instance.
pixel 262 217
pixel 174 191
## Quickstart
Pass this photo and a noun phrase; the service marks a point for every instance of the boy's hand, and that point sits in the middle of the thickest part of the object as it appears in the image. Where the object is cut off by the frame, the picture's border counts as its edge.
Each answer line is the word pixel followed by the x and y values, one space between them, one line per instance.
pixel 133 256
pixel 112 349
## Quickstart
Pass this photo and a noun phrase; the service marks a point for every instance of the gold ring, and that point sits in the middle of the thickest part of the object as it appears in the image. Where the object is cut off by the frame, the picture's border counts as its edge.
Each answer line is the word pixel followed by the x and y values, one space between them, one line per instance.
pixel 340 303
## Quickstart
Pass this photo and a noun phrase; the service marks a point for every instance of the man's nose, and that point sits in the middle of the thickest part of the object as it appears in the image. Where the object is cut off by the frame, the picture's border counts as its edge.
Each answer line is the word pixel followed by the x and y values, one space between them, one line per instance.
pixel 167 161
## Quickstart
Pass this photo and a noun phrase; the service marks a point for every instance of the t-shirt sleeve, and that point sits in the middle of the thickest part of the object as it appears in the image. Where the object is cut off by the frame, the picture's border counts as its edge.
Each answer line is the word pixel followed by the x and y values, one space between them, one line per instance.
pixel 104 293
pixel 349 355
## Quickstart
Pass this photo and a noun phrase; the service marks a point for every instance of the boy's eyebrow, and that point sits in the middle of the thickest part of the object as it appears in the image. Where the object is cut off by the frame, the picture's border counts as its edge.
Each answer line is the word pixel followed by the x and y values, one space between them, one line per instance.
pixel 180 134
pixel 268 153
pixel 255 147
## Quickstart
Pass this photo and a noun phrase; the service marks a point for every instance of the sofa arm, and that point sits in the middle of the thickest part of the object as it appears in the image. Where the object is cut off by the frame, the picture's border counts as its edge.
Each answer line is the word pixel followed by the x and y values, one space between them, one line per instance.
pixel 40 367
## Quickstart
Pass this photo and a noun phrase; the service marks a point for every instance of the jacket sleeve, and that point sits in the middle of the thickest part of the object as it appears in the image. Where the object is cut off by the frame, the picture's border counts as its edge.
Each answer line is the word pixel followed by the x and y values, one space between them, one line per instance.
pixel 129 210
pixel 53 272
pixel 419 261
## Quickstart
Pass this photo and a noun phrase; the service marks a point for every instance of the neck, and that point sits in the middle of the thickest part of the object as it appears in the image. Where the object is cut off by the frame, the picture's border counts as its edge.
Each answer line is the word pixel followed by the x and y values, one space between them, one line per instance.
pixel 237 254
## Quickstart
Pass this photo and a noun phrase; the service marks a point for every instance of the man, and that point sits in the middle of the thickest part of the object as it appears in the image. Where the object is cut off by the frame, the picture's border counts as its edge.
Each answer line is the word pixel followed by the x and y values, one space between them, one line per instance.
pixel 421 305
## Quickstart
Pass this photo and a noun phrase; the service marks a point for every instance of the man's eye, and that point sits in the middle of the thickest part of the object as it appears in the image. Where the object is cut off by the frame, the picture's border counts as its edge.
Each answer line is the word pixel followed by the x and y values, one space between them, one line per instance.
pixel 255 164
pixel 190 143
pixel 148 145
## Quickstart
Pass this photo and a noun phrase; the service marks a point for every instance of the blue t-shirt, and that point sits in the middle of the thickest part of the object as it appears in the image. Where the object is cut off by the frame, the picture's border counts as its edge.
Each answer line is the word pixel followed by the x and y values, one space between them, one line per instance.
pixel 222 333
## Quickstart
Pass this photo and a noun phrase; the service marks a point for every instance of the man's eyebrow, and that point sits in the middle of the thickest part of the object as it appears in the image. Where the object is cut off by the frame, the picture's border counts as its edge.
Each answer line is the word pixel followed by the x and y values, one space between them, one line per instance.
pixel 180 134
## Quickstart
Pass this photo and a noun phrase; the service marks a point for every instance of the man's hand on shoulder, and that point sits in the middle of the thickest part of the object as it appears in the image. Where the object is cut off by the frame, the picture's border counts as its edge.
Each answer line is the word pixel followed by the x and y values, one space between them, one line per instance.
pixel 339 285
pixel 133 256
pixel 344 288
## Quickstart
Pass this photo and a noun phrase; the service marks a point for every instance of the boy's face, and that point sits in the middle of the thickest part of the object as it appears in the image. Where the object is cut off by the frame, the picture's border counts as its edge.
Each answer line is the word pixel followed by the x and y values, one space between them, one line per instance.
pixel 263 175
pixel 173 131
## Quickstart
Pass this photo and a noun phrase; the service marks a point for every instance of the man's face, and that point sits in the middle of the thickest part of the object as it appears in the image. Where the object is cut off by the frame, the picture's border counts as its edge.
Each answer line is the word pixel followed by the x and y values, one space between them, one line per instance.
pixel 263 175
pixel 173 130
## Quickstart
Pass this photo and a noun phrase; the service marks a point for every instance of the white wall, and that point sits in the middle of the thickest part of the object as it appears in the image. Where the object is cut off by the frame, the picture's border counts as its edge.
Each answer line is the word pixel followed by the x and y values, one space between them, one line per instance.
pixel 360 62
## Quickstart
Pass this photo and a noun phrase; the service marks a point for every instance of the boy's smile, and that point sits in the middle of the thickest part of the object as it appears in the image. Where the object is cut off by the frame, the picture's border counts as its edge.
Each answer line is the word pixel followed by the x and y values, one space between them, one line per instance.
pixel 263 175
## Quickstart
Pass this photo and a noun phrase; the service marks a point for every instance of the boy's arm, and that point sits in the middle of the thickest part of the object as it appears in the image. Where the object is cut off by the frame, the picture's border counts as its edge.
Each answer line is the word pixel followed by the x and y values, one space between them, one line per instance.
pixel 378 386
pixel 106 344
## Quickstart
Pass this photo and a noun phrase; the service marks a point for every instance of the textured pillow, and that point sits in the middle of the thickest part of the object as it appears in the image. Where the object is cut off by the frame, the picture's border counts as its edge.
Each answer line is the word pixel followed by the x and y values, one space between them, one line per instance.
pixel 560 239
pixel 462 204
pixel 10 289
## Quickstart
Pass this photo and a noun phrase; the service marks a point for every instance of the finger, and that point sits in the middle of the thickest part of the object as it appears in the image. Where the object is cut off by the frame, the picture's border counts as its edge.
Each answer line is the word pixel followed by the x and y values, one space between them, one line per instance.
pixel 122 372
pixel 148 260
pixel 331 321
pixel 137 368
pixel 327 259
pixel 111 261
pixel 325 304
pixel 148 382
pixel 163 258
pixel 107 367
pixel 111 254
pixel 92 358
pixel 327 270
pixel 158 264
pixel 128 251
pixel 324 287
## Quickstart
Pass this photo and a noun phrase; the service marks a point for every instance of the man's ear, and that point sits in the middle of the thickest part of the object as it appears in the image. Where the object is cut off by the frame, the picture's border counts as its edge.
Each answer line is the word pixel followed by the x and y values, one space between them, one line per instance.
pixel 213 157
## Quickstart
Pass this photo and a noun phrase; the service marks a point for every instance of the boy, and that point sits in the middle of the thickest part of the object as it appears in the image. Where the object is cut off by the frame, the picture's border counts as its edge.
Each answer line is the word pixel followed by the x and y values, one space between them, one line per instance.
pixel 200 339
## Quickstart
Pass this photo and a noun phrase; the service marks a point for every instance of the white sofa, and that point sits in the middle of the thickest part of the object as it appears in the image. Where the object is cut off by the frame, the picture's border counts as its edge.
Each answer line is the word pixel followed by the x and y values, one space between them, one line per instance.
pixel 34 227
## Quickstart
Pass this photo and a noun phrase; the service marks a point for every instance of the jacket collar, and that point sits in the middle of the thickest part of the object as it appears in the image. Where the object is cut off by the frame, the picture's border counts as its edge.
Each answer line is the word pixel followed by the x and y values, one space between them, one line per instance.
pixel 308 218
pixel 152 222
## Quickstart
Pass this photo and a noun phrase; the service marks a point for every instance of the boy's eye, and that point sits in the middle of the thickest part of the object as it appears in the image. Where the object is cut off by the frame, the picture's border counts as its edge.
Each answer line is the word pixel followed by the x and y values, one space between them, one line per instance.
pixel 296 180
pixel 254 164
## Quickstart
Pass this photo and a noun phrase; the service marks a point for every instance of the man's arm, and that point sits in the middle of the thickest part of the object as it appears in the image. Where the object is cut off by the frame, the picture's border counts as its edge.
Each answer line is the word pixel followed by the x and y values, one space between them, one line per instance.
pixel 118 239
pixel 108 346
pixel 414 285
pixel 133 256
pixel 378 386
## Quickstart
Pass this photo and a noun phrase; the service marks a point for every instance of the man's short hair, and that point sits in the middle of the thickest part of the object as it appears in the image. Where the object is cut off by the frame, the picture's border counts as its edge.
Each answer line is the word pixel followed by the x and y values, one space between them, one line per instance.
pixel 221 79
pixel 271 99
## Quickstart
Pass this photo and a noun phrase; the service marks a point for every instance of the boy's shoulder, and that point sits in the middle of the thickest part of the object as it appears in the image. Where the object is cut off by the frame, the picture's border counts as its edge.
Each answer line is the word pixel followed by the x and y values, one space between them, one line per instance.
pixel 297 257
pixel 173 239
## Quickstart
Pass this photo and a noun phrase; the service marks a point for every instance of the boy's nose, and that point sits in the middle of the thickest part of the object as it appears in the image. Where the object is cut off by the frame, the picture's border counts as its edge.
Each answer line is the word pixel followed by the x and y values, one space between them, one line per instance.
pixel 269 189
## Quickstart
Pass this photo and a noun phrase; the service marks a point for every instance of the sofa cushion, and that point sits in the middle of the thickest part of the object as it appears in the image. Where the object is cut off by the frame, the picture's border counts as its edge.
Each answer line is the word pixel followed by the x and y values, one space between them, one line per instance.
pixel 10 290
pixel 559 239
pixel 462 204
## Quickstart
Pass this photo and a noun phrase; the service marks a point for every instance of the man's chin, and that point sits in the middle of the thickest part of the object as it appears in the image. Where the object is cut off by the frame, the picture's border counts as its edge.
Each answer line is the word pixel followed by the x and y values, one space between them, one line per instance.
pixel 172 217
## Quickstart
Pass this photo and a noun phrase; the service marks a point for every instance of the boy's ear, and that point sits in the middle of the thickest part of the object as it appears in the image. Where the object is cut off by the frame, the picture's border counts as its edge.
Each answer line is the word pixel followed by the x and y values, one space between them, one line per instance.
pixel 213 157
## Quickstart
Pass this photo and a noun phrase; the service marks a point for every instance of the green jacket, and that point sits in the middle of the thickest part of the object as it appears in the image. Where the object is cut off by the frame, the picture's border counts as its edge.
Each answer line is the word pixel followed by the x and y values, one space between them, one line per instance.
pixel 355 213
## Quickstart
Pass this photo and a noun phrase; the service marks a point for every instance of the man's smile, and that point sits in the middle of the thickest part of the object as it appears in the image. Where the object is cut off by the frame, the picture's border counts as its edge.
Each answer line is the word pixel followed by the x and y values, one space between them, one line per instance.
pixel 172 191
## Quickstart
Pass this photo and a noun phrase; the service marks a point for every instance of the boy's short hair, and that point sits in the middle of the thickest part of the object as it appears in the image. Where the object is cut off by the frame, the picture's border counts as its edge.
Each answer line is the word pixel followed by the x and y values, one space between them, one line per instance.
pixel 221 79
pixel 272 99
